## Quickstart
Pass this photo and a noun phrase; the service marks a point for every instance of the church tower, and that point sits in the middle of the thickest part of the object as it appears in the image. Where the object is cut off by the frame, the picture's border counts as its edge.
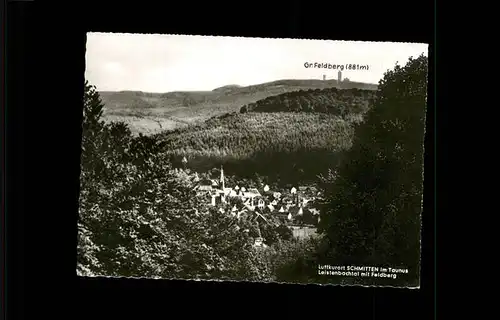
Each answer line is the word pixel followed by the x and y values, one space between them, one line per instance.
pixel 222 182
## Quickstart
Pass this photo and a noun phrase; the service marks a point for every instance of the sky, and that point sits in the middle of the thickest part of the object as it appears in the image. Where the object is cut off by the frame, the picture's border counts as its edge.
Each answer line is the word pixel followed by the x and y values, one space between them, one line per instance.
pixel 165 63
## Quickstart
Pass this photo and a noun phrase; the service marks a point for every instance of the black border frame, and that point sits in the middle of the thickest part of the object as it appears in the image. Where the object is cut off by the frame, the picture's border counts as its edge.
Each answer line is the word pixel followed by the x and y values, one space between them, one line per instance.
pixel 45 65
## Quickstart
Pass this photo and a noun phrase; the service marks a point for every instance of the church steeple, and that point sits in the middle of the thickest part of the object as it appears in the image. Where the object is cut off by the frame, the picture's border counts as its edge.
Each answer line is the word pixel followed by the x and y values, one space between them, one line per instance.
pixel 222 178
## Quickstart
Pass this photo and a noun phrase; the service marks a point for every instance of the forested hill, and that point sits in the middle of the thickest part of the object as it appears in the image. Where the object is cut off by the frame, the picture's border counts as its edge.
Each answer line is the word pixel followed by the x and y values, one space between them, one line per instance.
pixel 330 100
pixel 280 146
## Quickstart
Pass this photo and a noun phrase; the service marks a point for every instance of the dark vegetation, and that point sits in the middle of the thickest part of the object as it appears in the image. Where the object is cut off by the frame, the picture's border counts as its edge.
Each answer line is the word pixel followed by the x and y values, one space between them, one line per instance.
pixel 332 101
pixel 373 200
pixel 283 147
pixel 139 215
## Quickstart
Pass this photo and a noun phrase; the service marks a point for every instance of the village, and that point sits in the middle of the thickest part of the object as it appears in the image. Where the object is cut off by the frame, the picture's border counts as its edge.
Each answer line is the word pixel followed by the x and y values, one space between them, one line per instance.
pixel 294 208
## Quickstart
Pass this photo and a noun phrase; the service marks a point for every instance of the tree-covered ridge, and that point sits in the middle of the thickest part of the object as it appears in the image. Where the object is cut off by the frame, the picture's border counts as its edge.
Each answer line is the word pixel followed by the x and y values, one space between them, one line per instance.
pixel 330 100
pixel 240 136
pixel 286 147
pixel 292 146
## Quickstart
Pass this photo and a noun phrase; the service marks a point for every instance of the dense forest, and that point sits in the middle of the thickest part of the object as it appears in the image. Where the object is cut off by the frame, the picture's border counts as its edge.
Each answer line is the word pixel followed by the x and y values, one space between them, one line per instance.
pixel 331 100
pixel 272 141
pixel 287 146
pixel 150 113
pixel 372 208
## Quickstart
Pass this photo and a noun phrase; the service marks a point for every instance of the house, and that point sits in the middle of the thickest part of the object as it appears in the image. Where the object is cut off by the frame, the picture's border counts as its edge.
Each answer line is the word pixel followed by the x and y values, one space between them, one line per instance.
pixel 252 192
pixel 203 192
pixel 217 197
pixel 229 192
pixel 234 211
pixel 252 195
pixel 196 178
pixel 296 211
pixel 249 203
pixel 303 189
pixel 314 211
pixel 277 195
pixel 203 186
pixel 261 203
pixel 306 194
pixel 259 242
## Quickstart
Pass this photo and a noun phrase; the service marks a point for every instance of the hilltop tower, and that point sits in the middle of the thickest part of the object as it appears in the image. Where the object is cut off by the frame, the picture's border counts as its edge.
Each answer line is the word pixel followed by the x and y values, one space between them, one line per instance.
pixel 339 77
pixel 324 77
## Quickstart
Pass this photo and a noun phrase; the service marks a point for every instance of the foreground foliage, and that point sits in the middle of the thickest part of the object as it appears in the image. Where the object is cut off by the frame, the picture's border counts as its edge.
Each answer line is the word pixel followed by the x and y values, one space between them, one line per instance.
pixel 290 138
pixel 139 217
pixel 374 200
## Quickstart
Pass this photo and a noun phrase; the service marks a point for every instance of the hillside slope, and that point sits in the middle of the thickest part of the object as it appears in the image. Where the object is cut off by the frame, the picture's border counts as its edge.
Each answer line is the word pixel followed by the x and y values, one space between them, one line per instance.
pixel 282 146
pixel 153 112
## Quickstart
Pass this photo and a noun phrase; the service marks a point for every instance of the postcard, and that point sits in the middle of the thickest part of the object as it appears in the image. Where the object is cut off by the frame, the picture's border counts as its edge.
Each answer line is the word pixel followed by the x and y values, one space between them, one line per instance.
pixel 252 159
